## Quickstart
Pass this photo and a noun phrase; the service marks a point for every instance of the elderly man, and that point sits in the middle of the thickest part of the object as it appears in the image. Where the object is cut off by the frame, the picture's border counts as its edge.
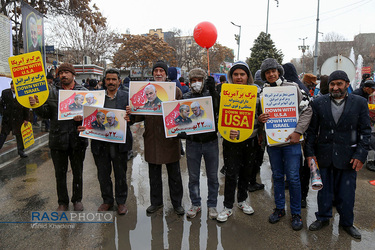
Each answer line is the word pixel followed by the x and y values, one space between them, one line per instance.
pixel 153 100
pixel 160 150
pixel 111 121
pixel 338 140
pixel 98 123
pixel 64 140
pixel 77 104
pixel 198 113
pixel 183 118
pixel 285 159
pixel 90 99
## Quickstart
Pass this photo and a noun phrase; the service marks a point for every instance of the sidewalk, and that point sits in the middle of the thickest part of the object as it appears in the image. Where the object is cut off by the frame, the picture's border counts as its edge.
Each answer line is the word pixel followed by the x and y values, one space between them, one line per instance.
pixel 9 151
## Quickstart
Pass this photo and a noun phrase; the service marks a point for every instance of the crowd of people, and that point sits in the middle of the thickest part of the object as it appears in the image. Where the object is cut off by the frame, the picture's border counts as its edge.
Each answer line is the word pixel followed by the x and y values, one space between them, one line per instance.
pixel 335 126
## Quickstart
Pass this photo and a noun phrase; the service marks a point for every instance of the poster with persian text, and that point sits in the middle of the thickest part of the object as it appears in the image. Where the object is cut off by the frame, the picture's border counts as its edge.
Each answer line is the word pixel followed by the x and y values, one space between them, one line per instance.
pixel 104 124
pixel 237 110
pixel 71 102
pixel 192 116
pixel 27 134
pixel 145 98
pixel 29 78
pixel 281 103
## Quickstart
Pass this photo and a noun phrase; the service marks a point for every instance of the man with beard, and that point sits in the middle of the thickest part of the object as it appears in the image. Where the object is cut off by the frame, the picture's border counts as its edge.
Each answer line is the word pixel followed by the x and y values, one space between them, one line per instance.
pixel 183 118
pixel 98 123
pixel 153 100
pixel 111 121
pixel 338 139
pixel 77 104
pixel 64 140
pixel 160 150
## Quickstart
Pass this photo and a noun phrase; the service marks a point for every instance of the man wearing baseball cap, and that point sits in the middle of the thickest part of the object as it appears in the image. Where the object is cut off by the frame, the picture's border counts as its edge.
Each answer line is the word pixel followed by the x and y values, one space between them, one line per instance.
pixel 338 140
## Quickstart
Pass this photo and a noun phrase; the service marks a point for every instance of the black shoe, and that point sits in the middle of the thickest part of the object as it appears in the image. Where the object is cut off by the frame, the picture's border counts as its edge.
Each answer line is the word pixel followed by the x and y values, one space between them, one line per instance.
pixel 352 231
pixel 370 165
pixel 255 187
pixel 303 203
pixel 318 224
pixel 152 209
pixel 179 210
pixel 23 154
pixel 276 215
pixel 296 222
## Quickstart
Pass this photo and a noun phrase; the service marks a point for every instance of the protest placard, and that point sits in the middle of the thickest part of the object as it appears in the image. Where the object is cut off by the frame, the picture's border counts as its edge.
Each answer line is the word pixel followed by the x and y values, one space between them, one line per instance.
pixel 27 135
pixel 29 78
pixel 193 116
pixel 104 124
pixel 71 102
pixel 237 110
pixel 281 103
pixel 145 98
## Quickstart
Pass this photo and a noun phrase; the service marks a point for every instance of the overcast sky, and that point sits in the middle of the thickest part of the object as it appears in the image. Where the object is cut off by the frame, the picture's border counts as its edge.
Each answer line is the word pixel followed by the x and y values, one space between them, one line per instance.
pixel 289 21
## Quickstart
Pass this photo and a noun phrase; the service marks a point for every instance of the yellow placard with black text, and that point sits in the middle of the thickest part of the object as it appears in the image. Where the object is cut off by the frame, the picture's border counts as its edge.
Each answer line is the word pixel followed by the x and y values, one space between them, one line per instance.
pixel 29 78
pixel 27 134
pixel 237 111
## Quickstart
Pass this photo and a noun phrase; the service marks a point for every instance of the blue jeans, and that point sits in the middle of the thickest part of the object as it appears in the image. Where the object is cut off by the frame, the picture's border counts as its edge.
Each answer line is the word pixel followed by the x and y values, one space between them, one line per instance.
pixel 285 160
pixel 210 153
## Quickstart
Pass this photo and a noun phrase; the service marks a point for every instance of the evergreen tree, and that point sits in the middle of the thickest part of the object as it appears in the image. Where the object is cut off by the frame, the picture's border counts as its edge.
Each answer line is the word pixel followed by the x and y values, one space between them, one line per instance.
pixel 263 48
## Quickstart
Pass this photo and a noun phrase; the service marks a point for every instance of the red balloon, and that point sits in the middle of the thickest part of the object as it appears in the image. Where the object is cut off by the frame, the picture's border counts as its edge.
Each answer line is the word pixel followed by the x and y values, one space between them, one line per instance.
pixel 205 34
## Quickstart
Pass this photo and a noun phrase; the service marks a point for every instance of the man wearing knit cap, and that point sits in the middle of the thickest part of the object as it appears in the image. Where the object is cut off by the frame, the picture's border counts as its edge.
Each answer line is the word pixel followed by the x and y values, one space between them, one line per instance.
pixel 285 159
pixel 202 145
pixel 64 142
pixel 160 150
pixel 338 140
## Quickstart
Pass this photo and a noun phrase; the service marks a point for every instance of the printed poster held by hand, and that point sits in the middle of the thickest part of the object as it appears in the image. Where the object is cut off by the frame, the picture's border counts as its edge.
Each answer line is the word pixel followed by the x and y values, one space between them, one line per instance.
pixel 71 102
pixel 281 103
pixel 192 116
pixel 104 124
pixel 27 135
pixel 237 110
pixel 145 98
pixel 29 78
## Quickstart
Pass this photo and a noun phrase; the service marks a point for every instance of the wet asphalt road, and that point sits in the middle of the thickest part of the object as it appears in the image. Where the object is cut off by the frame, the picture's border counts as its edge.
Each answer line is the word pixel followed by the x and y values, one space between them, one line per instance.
pixel 29 185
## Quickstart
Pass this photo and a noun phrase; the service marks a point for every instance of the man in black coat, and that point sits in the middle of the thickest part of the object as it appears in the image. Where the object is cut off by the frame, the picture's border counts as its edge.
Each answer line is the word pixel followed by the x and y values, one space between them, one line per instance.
pixel 14 114
pixel 108 154
pixel 64 140
pixel 338 140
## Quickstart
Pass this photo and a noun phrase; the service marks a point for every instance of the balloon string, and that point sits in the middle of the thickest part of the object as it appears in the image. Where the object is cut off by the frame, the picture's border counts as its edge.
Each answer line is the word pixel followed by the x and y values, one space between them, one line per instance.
pixel 208 62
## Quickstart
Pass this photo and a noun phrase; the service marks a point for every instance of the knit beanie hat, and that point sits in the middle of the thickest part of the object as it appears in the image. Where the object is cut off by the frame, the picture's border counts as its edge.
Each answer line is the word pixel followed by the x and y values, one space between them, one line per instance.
pixel 160 64
pixel 338 75
pixel 270 63
pixel 240 65
pixel 66 67
pixel 198 73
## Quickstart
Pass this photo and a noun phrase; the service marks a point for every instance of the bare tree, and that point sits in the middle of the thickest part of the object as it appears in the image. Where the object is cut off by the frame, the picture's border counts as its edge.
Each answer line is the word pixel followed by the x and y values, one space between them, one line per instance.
pixel 77 42
pixel 332 45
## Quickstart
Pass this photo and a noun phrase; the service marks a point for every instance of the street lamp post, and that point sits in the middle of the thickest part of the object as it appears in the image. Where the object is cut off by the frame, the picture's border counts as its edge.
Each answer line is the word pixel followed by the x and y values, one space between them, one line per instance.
pixel 316 42
pixel 303 48
pixel 238 38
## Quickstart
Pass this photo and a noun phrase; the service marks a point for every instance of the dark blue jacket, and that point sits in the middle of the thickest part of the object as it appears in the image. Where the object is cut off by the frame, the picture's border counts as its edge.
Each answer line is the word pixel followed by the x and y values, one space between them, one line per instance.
pixel 290 74
pixel 172 75
pixel 336 144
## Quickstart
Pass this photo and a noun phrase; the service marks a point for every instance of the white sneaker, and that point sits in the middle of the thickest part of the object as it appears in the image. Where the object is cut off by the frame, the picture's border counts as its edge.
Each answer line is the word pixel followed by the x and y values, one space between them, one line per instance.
pixel 212 213
pixel 223 215
pixel 246 208
pixel 192 212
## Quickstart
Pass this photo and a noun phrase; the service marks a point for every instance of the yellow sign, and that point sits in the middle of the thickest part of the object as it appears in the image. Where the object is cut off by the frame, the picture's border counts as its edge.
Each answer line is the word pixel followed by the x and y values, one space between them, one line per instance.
pixel 237 110
pixel 371 106
pixel 27 134
pixel 29 78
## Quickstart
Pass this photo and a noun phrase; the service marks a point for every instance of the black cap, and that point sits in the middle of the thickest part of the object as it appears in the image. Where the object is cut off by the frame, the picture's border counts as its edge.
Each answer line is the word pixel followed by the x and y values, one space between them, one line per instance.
pixel 369 83
pixel 160 64
pixel 338 75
